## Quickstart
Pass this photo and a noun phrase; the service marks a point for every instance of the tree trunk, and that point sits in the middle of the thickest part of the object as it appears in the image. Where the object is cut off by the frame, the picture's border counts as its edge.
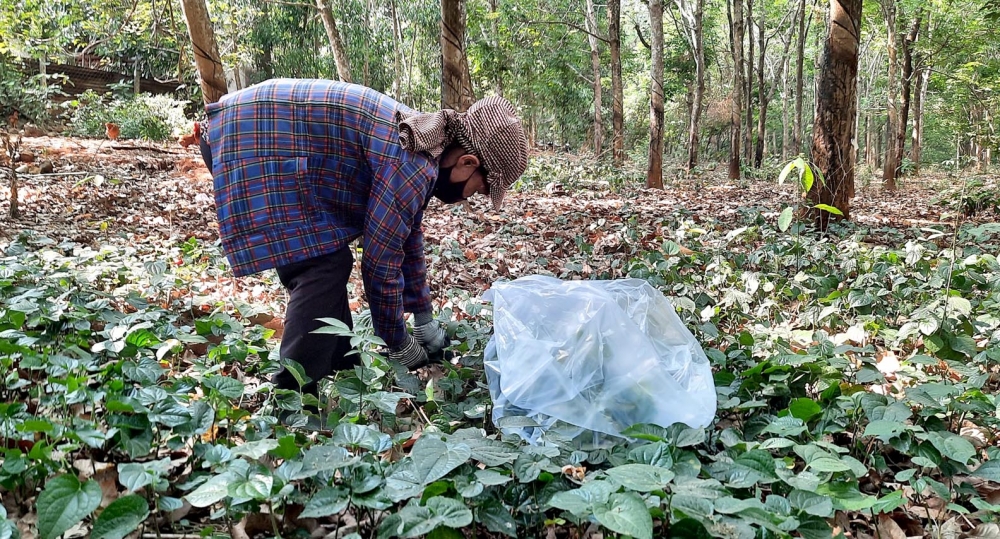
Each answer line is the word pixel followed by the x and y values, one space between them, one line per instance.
pixel 906 91
pixel 799 78
pixel 736 117
pixel 339 54
pixel 697 33
pixel 836 107
pixel 397 46
pixel 762 98
pixel 654 172
pixel 786 145
pixel 498 49
pixel 890 165
pixel 748 84
pixel 617 88
pixel 456 86
pixel 918 118
pixel 595 64
pixel 206 51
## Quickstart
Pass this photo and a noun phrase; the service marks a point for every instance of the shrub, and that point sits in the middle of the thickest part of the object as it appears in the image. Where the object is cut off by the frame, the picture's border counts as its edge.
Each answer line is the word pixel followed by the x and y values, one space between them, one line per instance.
pixel 29 96
pixel 150 117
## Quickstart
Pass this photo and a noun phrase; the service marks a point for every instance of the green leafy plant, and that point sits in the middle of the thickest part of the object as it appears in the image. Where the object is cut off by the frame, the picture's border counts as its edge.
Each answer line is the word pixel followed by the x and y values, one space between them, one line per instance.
pixel 806 179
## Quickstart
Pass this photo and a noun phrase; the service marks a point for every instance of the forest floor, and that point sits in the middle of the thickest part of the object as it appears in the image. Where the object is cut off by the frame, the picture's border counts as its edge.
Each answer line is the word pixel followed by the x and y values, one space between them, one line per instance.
pixel 133 223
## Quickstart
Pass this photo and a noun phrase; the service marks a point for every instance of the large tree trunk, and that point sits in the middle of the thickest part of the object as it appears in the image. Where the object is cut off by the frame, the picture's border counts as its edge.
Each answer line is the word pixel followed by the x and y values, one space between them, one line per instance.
pixel 905 91
pixel 836 107
pixel 617 88
pixel 890 165
pixel 456 85
pixel 800 59
pixel 206 51
pixel 654 171
pixel 736 117
pixel 339 54
pixel 595 65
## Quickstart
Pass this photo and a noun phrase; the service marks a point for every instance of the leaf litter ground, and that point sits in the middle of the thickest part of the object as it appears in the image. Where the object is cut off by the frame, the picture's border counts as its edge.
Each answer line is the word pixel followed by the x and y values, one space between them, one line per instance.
pixel 788 319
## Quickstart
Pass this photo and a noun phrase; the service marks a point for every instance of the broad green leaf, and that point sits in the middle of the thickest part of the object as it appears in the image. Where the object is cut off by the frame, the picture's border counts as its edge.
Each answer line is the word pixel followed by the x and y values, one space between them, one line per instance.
pixel 829 464
pixel 133 476
pixel 641 477
pixel 787 170
pixel 785 219
pixel 496 518
pixel 960 305
pixel 353 435
pixel 989 470
pixel 430 460
pixel 329 501
pixel 385 401
pixel 884 429
pixel 625 513
pixel 581 501
pixel 811 503
pixel 828 208
pixel 654 454
pixel 491 478
pixel 226 386
pixel 256 449
pixel 211 491
pixel 414 520
pixel 806 177
pixel 324 458
pixel 804 408
pixel 63 502
pixel 121 518
pixel 952 446
pixel 692 506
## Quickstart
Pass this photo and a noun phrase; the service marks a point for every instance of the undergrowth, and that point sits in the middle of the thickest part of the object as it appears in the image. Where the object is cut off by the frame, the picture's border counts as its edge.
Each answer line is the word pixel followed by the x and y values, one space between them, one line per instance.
pixel 856 381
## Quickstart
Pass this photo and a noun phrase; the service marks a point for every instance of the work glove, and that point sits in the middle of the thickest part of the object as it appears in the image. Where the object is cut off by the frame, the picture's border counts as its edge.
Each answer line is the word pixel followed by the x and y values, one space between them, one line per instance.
pixel 429 333
pixel 411 355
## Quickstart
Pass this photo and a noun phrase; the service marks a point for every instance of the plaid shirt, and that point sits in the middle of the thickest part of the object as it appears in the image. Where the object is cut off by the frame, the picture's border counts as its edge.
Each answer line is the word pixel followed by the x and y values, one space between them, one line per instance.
pixel 303 167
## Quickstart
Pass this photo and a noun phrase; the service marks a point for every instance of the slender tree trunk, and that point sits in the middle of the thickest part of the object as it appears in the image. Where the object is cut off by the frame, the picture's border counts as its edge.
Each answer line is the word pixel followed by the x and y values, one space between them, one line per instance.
pixel 890 164
pixel 800 59
pixel 748 79
pixel 736 118
pixel 206 51
pixel 918 118
pixel 905 93
pixel 595 64
pixel 397 62
pixel 836 102
pixel 339 54
pixel 456 86
pixel 617 87
pixel 497 47
pixel 654 171
pixel 697 33
pixel 762 98
pixel 786 144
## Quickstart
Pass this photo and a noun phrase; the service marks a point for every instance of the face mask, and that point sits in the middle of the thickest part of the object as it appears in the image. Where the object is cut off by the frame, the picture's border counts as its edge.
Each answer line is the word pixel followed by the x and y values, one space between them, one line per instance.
pixel 447 191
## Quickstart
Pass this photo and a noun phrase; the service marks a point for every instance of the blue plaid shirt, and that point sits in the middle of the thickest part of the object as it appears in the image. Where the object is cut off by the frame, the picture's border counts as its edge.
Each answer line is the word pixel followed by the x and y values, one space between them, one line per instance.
pixel 303 167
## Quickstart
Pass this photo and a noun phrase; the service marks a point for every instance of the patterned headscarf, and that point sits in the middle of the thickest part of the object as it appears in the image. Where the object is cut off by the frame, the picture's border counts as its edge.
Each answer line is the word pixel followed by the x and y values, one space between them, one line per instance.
pixel 490 130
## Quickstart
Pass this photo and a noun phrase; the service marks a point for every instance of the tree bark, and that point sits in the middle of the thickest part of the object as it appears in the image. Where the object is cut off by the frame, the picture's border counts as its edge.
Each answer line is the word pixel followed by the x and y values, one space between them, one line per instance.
pixel 736 117
pixel 917 142
pixel 694 25
pixel 397 61
pixel 654 170
pixel 456 85
pixel 799 78
pixel 786 144
pixel 595 64
pixel 336 45
pixel 617 87
pixel 836 107
pixel 206 51
pixel 890 164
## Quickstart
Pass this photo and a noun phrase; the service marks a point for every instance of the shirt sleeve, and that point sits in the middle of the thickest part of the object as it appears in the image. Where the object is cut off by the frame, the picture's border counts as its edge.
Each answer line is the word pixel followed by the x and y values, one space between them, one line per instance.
pixel 391 230
pixel 416 292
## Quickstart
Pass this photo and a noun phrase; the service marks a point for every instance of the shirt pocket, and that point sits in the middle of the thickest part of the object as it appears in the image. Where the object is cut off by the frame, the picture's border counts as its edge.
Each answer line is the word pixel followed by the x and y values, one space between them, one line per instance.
pixel 268 196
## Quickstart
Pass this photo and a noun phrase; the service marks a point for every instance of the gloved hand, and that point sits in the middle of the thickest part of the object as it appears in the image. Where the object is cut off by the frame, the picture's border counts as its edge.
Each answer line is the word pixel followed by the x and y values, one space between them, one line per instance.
pixel 410 354
pixel 429 333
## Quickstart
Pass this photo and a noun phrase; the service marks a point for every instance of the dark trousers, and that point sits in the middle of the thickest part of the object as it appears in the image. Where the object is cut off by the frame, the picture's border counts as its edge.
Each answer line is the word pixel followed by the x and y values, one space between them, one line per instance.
pixel 317 288
pixel 206 152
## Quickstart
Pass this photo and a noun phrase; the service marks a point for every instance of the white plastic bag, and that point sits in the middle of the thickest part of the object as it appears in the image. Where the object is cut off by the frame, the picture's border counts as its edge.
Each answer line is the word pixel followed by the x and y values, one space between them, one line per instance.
pixel 598 355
